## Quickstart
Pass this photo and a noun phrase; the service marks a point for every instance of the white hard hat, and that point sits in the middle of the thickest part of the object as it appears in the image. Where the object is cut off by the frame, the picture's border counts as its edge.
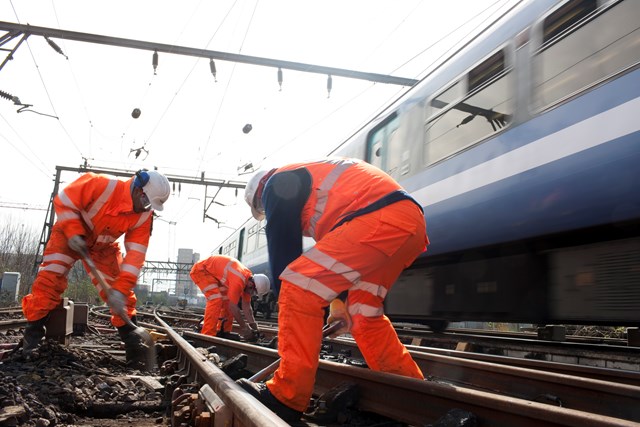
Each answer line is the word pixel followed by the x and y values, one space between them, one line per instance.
pixel 263 285
pixel 250 194
pixel 157 189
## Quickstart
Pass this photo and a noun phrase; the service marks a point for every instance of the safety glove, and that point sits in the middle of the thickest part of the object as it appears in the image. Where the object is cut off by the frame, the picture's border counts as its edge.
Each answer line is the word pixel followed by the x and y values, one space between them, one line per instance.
pixel 338 311
pixel 250 334
pixel 78 244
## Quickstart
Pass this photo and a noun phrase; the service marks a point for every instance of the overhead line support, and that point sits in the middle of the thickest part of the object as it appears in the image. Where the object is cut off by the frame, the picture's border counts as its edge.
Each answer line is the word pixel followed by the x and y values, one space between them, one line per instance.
pixel 203 53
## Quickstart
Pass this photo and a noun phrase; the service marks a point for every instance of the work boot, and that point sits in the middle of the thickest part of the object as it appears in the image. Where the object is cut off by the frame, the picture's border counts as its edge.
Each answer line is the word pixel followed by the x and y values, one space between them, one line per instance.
pixel 261 392
pixel 33 334
pixel 135 350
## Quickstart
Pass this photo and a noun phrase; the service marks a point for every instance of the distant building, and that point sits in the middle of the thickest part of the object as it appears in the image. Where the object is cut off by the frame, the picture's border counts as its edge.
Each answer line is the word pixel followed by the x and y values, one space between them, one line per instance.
pixel 185 288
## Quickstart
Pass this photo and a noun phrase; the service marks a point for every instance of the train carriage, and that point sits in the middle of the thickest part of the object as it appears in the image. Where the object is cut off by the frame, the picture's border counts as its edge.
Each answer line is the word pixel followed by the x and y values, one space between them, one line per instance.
pixel 522 148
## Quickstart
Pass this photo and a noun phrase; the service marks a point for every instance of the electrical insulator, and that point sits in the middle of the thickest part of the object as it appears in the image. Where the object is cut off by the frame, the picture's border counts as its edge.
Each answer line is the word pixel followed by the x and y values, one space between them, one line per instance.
pixel 280 77
pixel 155 62
pixel 329 85
pixel 6 95
pixel 212 65
pixel 55 46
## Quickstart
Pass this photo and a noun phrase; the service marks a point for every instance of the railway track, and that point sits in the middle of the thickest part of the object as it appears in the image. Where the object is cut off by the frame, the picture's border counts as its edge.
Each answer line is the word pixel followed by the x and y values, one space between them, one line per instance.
pixel 498 391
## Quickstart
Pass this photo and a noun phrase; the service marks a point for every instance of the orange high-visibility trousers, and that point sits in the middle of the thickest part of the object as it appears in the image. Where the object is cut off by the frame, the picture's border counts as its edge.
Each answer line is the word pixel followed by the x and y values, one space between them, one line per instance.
pixel 364 256
pixel 51 281
pixel 212 316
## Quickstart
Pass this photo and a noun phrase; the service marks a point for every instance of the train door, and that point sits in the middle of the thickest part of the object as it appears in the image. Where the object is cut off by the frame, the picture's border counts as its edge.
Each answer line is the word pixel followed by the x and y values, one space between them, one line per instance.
pixel 240 245
pixel 380 142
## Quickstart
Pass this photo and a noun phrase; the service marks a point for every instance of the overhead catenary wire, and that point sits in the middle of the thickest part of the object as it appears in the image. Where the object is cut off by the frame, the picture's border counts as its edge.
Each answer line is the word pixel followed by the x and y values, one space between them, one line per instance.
pixel 44 86
pixel 42 167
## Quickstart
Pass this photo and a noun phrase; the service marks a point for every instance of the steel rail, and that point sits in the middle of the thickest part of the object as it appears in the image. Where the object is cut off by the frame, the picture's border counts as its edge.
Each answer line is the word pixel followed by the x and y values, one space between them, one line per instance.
pixel 246 409
pixel 417 402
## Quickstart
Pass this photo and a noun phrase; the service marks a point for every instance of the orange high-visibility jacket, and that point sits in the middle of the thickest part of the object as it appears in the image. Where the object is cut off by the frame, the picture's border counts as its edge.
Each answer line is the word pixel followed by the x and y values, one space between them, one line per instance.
pixel 341 186
pixel 219 276
pixel 100 208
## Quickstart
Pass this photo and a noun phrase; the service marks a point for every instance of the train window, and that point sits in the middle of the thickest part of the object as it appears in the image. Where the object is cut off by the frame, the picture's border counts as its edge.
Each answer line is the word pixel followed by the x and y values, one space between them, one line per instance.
pixel 454 93
pixel 252 238
pixel 486 108
pixel 262 234
pixel 567 17
pixel 582 44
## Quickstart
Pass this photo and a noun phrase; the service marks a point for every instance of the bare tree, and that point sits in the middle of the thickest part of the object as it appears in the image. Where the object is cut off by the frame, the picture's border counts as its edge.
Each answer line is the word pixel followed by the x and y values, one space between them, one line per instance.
pixel 18 248
pixel 18 251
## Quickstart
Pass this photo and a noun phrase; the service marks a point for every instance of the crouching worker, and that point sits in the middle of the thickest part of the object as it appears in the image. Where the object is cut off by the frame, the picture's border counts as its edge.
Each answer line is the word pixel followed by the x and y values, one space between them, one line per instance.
pixel 367 230
pixel 224 281
pixel 92 213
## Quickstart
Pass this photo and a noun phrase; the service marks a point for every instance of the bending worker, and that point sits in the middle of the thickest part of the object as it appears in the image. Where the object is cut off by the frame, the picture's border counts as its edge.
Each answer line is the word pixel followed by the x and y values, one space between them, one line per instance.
pixel 224 281
pixel 92 213
pixel 367 230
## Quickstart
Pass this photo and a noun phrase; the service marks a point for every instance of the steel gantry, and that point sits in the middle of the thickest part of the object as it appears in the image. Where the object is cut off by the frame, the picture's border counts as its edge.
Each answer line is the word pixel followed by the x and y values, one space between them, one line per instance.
pixel 20 33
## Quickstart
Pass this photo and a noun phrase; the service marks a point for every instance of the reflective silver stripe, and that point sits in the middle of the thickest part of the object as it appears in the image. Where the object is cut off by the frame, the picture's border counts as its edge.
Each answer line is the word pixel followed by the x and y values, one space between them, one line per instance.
pixel 234 271
pixel 68 215
pixel 56 268
pixel 332 265
pixel 135 247
pixel 214 296
pixel 225 298
pixel 58 257
pixel 364 310
pixel 99 203
pixel 324 188
pixel 103 238
pixel 130 269
pixel 309 284
pixel 142 219
pixel 372 288
pixel 87 219
pixel 210 287
pixel 223 279
pixel 66 201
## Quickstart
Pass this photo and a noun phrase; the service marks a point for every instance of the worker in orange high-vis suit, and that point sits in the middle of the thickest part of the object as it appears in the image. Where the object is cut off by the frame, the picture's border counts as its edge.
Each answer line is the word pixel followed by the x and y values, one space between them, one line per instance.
pixel 225 281
pixel 367 229
pixel 92 212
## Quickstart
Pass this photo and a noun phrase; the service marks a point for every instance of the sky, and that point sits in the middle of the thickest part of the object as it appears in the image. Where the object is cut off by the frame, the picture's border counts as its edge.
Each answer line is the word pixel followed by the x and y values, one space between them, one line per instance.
pixel 192 123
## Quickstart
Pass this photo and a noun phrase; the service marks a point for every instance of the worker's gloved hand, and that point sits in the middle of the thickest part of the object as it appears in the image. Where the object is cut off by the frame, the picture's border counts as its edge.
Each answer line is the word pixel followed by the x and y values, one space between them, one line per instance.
pixel 117 302
pixel 77 243
pixel 249 334
pixel 338 311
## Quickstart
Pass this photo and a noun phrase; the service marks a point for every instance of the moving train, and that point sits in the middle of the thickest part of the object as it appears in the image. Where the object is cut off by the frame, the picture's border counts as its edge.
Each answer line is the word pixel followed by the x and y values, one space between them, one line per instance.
pixel 523 147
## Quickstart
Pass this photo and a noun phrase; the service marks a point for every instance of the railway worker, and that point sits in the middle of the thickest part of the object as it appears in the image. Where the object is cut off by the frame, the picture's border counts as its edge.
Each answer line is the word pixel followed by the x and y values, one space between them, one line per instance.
pixel 224 281
pixel 367 229
pixel 92 213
